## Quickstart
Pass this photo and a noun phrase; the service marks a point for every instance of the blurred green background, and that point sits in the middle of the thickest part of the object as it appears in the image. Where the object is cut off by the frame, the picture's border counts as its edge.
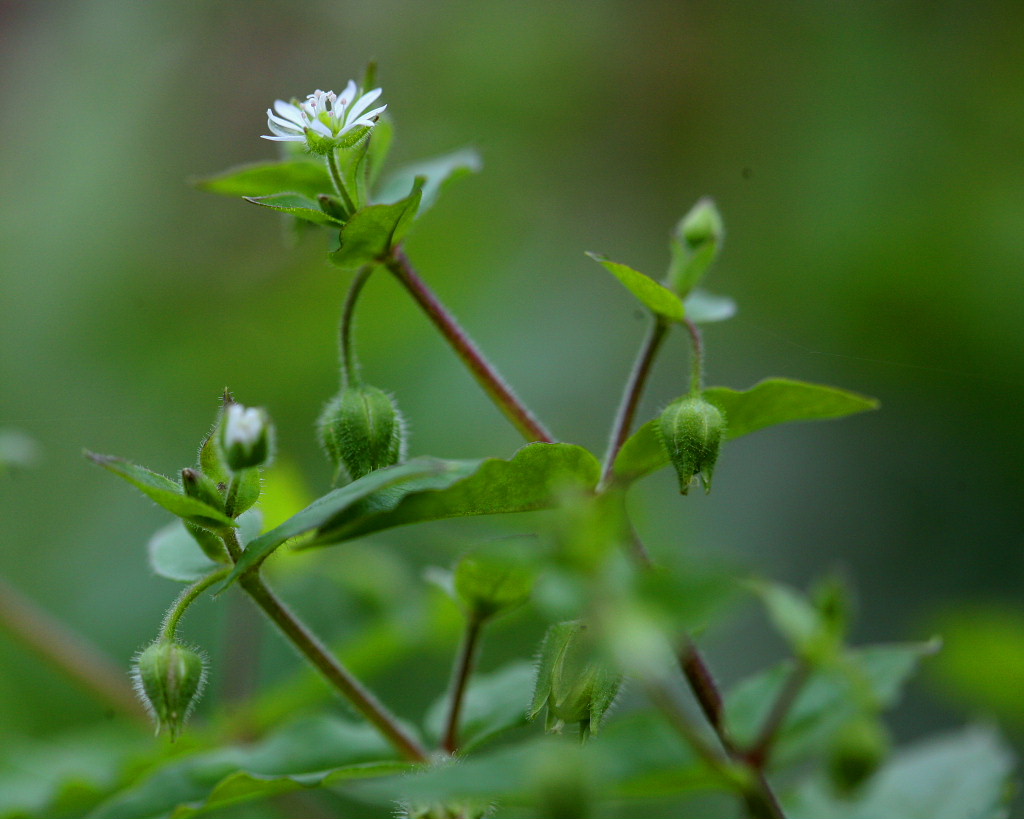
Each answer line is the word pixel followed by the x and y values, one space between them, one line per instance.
pixel 868 159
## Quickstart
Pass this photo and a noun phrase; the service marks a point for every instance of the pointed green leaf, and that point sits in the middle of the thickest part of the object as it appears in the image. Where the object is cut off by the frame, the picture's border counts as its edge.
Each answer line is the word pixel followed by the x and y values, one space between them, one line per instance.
pixel 174 554
pixel 779 400
pixel 370 234
pixel 164 491
pixel 703 307
pixel 493 704
pixel 437 172
pixel 651 294
pixel 870 677
pixel 300 175
pixel 966 775
pixel 324 509
pixel 301 207
pixel 774 401
pixel 536 477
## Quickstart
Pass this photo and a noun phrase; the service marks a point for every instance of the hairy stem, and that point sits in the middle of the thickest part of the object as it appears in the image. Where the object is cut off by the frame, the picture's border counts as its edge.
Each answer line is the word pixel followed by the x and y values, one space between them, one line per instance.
pixel 460 679
pixel 186 599
pixel 482 370
pixel 339 182
pixel 631 395
pixel 333 671
pixel 349 367
pixel 696 359
pixel 68 652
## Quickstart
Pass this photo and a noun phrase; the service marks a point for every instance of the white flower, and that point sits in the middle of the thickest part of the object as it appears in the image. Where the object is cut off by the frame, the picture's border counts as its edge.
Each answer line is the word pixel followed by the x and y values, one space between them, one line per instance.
pixel 323 116
pixel 246 436
pixel 242 426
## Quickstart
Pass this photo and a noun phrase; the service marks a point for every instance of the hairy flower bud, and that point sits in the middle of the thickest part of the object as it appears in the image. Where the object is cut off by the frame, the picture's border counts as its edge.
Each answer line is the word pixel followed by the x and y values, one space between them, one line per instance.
pixel 200 487
pixel 575 686
pixel 857 751
pixel 169 679
pixel 695 244
pixel 246 436
pixel 691 431
pixel 361 430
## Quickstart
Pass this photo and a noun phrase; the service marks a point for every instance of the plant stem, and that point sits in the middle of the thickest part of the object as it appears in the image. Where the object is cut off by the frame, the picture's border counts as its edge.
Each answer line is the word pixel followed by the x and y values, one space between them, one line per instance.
pixel 339 182
pixel 349 367
pixel 68 652
pixel 760 751
pixel 460 679
pixel 631 395
pixel 185 599
pixel 696 359
pixel 482 370
pixel 662 697
pixel 336 674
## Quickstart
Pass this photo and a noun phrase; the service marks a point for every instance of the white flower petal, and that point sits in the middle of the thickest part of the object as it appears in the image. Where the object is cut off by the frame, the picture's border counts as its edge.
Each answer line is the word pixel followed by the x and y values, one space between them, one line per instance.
pixel 362 104
pixel 368 117
pixel 320 128
pixel 296 138
pixel 285 124
pixel 345 97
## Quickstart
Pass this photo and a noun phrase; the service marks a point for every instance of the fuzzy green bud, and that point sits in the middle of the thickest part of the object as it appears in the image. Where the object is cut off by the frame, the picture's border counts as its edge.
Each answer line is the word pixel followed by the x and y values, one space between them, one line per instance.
pixel 572 682
pixel 857 751
pixel 691 431
pixel 200 487
pixel 361 430
pixel 695 244
pixel 246 437
pixel 169 679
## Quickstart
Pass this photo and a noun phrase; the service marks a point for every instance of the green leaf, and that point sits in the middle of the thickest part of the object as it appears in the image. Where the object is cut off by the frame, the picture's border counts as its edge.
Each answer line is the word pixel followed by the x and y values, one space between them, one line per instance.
pixel 334 503
pixel 651 294
pixel 534 478
pixel 380 145
pixel 958 776
pixel 174 553
pixel 372 231
pixel 437 172
pixel 703 307
pixel 310 753
pixel 774 401
pixel 299 175
pixel 867 677
pixel 779 400
pixel 796 619
pixel 494 703
pixel 164 491
pixel 301 207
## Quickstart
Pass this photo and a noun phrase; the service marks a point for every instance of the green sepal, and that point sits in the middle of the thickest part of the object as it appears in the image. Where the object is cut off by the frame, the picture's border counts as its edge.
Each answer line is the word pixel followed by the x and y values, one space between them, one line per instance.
pixel 691 432
pixel 494 579
pixel 211 458
pixel 695 244
pixel 380 147
pixel 361 430
pixel 332 206
pixel 163 491
pixel 438 173
pixel 250 485
pixel 656 297
pixel 368 237
pixel 197 485
pixel 169 679
pixel 301 207
pixel 303 176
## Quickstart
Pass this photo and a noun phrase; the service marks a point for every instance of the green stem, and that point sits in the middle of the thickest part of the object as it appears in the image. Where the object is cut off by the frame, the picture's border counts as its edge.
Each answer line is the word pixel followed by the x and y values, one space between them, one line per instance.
pixel 333 671
pixel 349 365
pixel 74 657
pixel 631 395
pixel 186 599
pixel 696 359
pixel 339 182
pixel 482 370
pixel 760 751
pixel 460 680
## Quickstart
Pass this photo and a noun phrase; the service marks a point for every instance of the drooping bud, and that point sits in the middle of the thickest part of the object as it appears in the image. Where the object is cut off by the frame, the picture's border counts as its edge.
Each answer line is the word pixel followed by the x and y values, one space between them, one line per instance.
pixel 695 244
pixel 361 430
pixel 691 431
pixel 574 684
pixel 246 436
pixel 857 751
pixel 169 679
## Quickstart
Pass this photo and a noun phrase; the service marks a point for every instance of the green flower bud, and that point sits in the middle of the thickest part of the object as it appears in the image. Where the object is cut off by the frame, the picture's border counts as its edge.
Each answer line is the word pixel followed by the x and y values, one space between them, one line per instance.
pixel 695 244
pixel 493 580
pixel 246 437
pixel 575 686
pixel 466 808
pixel 691 431
pixel 169 679
pixel 361 430
pixel 857 751
pixel 200 487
